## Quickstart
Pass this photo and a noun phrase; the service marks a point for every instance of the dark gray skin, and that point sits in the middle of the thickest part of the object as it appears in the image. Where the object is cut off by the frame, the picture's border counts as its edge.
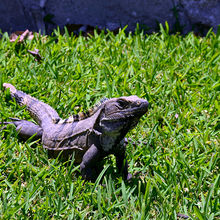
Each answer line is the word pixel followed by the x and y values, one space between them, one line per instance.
pixel 91 139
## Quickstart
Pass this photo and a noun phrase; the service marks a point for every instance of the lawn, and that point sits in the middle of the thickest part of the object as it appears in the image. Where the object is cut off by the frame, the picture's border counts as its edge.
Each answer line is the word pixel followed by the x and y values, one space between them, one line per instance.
pixel 173 153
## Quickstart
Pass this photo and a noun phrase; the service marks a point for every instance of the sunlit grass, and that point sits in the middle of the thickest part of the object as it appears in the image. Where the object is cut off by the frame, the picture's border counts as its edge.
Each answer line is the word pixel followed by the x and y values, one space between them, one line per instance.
pixel 175 161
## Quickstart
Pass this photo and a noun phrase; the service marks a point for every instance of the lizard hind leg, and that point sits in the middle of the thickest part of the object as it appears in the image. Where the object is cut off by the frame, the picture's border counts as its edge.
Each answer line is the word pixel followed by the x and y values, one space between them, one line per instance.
pixel 26 129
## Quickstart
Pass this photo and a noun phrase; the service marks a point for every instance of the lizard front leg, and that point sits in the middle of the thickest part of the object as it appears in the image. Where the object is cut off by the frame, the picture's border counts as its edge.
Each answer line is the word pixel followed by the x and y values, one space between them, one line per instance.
pixel 89 166
pixel 122 165
pixel 26 129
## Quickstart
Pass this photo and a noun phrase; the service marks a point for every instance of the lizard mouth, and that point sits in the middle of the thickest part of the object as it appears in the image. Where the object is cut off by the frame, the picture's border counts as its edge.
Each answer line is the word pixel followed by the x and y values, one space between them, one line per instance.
pixel 121 120
pixel 125 114
pixel 124 117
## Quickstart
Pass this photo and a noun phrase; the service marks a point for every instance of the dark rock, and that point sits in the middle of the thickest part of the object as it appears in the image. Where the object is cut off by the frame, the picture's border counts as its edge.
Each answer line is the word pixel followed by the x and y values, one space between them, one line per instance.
pixel 181 15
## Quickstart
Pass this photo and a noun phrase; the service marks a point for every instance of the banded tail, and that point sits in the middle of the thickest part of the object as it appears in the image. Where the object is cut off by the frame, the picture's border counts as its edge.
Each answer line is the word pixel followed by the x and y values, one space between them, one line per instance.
pixel 41 112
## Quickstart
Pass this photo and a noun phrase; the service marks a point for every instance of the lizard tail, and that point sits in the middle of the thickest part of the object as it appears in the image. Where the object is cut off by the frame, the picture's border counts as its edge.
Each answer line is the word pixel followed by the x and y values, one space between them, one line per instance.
pixel 10 86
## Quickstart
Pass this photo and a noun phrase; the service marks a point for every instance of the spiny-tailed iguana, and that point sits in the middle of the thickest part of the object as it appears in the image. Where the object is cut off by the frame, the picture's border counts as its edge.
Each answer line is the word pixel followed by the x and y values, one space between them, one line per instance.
pixel 91 136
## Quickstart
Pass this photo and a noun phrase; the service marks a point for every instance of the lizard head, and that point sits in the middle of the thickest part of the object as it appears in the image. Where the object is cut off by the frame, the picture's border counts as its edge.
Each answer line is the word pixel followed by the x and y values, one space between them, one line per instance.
pixel 119 115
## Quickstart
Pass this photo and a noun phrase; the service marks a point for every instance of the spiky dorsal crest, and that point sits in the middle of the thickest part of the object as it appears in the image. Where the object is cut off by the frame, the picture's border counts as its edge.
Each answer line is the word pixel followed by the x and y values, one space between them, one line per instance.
pixel 82 115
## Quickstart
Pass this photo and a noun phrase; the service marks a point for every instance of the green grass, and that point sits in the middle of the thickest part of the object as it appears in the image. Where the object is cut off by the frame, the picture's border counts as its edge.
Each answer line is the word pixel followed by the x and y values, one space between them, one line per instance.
pixel 175 165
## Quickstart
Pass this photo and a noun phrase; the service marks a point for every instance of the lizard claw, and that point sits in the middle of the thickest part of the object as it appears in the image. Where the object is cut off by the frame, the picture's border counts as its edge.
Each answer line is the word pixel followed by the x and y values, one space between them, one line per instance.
pixel 9 86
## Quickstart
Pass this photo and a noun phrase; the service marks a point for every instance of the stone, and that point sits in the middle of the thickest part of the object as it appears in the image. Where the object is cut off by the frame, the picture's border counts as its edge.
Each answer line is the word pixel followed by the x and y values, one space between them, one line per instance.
pixel 45 15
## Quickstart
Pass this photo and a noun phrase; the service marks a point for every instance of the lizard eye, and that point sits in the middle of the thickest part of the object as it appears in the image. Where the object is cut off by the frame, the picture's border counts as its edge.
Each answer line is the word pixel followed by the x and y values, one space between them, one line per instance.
pixel 122 103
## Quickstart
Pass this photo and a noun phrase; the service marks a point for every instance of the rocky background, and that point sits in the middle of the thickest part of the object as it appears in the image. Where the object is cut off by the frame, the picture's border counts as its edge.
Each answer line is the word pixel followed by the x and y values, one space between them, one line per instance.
pixel 45 15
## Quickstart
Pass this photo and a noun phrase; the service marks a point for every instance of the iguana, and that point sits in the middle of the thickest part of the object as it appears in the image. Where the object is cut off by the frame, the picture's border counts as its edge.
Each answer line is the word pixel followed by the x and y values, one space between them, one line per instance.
pixel 91 136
